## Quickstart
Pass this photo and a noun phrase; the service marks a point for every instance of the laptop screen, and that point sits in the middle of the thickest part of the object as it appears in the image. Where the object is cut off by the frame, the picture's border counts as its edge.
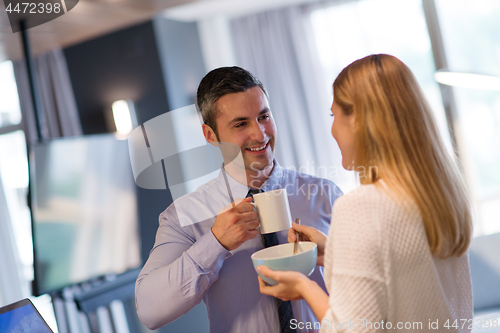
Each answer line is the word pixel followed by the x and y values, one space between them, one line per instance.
pixel 22 317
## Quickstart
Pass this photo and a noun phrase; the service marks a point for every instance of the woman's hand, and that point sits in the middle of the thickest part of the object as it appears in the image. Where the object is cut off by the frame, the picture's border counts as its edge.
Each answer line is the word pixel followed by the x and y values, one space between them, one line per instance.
pixel 290 284
pixel 309 234
pixel 294 286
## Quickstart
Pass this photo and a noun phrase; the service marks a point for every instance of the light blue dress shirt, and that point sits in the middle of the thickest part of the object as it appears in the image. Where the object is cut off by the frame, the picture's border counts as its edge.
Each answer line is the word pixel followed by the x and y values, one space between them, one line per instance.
pixel 187 263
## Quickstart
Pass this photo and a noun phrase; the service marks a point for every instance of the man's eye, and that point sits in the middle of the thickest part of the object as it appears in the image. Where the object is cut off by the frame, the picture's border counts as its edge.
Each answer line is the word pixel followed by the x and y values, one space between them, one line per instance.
pixel 266 116
pixel 239 125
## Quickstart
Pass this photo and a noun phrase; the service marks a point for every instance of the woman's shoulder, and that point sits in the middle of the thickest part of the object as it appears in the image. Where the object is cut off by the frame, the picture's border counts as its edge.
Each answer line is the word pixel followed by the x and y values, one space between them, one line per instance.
pixel 372 202
pixel 372 194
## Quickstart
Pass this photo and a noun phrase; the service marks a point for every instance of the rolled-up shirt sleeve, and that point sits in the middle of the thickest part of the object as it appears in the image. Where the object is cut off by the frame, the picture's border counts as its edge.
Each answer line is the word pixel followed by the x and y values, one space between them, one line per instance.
pixel 177 274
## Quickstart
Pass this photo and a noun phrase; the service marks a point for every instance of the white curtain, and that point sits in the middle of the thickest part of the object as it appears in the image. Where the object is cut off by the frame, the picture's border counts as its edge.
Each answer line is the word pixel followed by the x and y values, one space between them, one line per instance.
pixel 59 117
pixel 278 47
pixel 58 114
pixel 12 287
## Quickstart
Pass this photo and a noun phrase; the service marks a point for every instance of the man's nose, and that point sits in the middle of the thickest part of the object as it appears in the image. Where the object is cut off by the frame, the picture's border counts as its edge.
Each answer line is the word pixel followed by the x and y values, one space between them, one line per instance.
pixel 258 132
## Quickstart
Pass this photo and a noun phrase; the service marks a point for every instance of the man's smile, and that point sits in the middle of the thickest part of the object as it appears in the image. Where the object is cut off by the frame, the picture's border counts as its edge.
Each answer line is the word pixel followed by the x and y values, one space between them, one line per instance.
pixel 257 150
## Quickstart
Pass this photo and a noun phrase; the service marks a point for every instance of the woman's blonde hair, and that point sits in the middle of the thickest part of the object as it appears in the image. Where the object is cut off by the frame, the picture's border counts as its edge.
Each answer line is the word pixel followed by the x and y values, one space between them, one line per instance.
pixel 397 140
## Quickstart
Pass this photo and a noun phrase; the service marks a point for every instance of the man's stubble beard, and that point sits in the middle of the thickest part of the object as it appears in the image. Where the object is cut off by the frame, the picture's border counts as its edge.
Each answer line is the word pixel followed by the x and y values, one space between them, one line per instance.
pixel 255 169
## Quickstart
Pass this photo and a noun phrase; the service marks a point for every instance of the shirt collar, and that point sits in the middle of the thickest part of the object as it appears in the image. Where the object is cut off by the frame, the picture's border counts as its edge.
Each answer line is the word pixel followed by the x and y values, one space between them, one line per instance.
pixel 239 190
pixel 275 179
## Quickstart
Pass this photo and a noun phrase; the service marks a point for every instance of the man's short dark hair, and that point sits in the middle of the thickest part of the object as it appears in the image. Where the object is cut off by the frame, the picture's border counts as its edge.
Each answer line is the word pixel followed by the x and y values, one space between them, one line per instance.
pixel 220 82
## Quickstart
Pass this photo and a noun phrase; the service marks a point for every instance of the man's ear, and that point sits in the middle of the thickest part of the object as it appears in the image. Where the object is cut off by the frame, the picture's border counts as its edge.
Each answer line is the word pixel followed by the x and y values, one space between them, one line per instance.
pixel 210 136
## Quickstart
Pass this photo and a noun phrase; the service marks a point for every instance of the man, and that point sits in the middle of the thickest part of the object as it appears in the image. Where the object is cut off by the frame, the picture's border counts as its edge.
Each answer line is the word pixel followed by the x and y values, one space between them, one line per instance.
pixel 210 260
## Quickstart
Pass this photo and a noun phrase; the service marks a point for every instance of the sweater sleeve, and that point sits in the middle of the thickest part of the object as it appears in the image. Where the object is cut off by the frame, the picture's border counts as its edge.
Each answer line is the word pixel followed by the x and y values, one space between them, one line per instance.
pixel 355 267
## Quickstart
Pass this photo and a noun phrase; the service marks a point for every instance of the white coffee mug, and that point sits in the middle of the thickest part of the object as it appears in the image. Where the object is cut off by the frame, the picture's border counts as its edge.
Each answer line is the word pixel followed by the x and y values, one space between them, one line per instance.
pixel 273 210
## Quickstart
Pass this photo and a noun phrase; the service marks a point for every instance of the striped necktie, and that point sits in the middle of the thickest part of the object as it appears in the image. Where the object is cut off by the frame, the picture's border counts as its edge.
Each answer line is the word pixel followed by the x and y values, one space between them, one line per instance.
pixel 285 313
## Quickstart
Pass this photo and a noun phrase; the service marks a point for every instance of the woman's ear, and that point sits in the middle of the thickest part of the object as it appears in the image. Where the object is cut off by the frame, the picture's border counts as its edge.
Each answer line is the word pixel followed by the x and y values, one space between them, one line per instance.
pixel 210 136
pixel 353 123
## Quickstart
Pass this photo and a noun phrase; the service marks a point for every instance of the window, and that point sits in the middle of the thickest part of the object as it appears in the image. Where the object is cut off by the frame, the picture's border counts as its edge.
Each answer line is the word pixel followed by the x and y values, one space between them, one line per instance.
pixel 471 38
pixel 10 112
pixel 14 166
pixel 355 29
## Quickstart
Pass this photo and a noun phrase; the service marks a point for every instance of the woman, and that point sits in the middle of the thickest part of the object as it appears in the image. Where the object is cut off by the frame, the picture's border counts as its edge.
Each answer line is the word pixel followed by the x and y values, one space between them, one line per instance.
pixel 395 257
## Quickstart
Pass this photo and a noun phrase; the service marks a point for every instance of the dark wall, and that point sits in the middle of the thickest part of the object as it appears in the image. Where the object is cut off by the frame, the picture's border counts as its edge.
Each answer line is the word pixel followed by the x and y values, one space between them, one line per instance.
pixel 122 65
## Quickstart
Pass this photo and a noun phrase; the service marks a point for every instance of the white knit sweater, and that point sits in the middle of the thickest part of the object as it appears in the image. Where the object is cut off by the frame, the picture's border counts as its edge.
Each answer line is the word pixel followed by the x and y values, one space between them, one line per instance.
pixel 379 268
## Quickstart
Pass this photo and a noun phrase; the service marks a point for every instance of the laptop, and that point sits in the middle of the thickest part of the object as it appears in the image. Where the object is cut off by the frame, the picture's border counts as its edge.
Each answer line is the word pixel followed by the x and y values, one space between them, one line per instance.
pixel 22 317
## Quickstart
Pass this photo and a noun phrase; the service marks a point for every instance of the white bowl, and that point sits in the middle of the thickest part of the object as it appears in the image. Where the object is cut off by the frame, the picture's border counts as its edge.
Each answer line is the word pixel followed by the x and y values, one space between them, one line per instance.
pixel 281 258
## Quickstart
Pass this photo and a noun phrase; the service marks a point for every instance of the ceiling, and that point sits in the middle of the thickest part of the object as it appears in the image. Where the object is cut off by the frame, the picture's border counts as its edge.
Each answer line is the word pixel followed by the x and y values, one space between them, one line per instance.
pixel 93 18
pixel 89 19
pixel 199 10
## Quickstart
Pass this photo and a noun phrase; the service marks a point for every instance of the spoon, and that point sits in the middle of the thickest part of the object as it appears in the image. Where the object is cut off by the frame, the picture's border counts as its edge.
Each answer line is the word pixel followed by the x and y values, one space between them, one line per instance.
pixel 296 238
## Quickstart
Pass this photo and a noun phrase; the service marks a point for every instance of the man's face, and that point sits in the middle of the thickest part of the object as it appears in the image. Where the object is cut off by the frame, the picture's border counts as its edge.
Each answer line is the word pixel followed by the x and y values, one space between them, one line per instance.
pixel 244 118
